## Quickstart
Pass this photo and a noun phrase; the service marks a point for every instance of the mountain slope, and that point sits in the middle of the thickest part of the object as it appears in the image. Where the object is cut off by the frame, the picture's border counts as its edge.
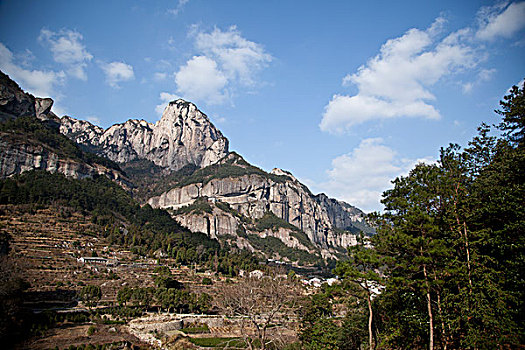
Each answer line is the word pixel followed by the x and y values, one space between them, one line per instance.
pixel 183 160
pixel 181 163
pixel 253 193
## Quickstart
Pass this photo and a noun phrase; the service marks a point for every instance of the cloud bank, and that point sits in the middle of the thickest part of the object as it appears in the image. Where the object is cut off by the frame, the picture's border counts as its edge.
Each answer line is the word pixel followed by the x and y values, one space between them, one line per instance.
pixel 225 62
pixel 501 21
pixel 398 81
pixel 361 176
pixel 67 49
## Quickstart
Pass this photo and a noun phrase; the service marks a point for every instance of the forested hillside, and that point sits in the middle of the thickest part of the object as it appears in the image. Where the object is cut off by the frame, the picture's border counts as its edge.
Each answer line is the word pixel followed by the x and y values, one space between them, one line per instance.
pixel 121 219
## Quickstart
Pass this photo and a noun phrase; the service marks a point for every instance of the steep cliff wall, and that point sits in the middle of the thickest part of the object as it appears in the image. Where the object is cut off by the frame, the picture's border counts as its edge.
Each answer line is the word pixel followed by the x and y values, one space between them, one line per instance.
pixel 342 215
pixel 252 195
pixel 36 143
pixel 18 155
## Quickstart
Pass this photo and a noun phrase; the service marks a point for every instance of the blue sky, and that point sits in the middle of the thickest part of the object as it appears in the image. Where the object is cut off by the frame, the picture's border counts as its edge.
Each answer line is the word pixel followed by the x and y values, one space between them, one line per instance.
pixel 347 95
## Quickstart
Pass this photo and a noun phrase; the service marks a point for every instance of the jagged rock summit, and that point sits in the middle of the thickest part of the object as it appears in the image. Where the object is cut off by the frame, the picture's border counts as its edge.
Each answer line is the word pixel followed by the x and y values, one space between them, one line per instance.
pixel 184 135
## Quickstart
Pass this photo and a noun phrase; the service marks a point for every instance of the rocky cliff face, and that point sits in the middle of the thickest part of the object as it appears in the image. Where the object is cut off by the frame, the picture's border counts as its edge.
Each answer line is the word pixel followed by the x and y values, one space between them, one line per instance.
pixel 184 135
pixel 219 223
pixel 14 102
pixel 20 152
pixel 342 215
pixel 252 195
pixel 18 156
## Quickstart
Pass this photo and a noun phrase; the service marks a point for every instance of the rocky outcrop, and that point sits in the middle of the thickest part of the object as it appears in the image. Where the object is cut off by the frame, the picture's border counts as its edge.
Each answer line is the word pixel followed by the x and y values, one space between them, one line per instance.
pixel 215 224
pixel 219 223
pixel 14 102
pixel 184 135
pixel 20 152
pixel 20 155
pixel 81 131
pixel 341 215
pixel 253 195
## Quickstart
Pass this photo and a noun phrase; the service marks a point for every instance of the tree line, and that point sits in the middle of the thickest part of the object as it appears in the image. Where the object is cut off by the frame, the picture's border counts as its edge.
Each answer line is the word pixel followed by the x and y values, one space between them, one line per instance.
pixel 446 267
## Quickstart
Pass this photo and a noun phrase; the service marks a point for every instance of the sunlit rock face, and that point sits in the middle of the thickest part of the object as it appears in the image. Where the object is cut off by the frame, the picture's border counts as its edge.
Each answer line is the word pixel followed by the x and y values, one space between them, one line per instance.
pixel 184 135
pixel 19 155
pixel 254 195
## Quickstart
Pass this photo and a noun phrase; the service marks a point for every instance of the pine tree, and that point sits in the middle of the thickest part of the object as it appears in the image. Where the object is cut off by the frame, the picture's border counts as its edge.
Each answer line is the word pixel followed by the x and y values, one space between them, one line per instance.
pixel 362 268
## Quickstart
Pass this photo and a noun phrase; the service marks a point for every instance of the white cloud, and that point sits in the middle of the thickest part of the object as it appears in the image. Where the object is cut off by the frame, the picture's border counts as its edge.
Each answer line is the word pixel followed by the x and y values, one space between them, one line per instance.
pixel 200 79
pixel 396 83
pixel 117 72
pixel 165 97
pixel 38 82
pixel 226 61
pixel 361 176
pixel 486 74
pixel 159 76
pixel 239 58
pixel 67 49
pixel 498 21
pixel 180 5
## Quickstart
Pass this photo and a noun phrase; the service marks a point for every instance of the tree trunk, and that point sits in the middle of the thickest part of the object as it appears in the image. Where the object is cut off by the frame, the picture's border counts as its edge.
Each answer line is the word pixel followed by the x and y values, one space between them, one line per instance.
pixel 370 315
pixel 366 287
pixel 468 255
pixel 429 306
pixel 443 329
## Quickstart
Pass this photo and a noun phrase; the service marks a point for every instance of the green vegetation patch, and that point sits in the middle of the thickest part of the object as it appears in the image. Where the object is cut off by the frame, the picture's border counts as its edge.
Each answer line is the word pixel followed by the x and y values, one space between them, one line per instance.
pixel 270 221
pixel 274 245
pixel 153 180
pixel 200 206
pixel 233 167
pixel 197 329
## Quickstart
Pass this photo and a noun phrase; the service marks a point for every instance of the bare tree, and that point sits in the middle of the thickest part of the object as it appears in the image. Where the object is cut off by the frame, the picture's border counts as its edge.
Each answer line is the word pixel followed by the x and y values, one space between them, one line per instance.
pixel 260 304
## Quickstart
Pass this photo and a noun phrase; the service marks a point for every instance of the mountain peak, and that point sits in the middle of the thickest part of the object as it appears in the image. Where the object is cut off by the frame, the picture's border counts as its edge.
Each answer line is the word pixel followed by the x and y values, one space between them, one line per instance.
pixel 181 110
pixel 183 135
